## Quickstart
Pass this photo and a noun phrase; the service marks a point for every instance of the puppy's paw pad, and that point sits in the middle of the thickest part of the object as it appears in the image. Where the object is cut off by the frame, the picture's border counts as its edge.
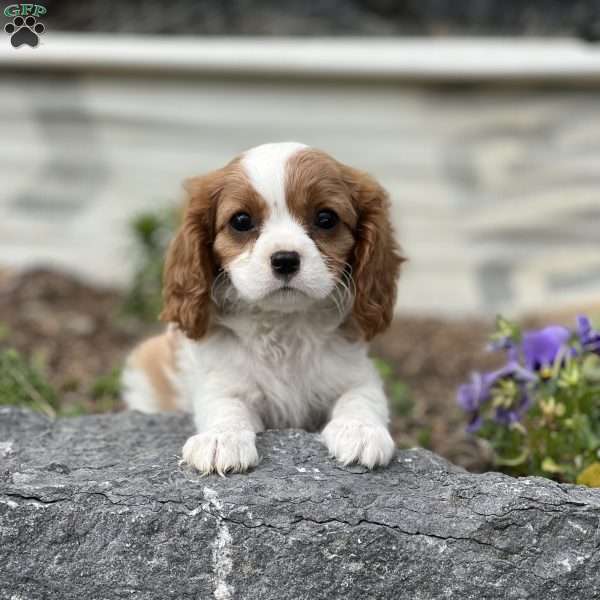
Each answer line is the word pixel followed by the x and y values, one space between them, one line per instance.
pixel 352 441
pixel 221 452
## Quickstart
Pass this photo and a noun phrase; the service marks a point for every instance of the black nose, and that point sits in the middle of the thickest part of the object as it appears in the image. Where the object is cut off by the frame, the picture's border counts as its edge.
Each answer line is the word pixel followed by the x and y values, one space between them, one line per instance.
pixel 285 263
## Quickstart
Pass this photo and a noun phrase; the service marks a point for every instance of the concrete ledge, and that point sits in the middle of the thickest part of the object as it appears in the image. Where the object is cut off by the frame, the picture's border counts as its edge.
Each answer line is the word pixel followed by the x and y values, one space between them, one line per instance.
pixel 451 59
pixel 97 507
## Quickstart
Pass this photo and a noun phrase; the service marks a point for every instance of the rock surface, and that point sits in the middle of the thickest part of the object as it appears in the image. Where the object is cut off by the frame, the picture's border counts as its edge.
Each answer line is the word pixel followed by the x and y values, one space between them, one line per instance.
pixel 98 508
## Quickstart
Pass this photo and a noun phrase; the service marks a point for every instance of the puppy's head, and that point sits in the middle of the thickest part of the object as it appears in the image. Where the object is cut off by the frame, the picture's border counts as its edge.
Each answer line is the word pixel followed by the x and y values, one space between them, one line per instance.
pixel 283 228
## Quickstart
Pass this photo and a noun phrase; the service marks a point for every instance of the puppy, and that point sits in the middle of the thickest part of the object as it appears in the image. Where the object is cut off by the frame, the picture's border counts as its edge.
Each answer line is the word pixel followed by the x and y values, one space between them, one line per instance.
pixel 284 267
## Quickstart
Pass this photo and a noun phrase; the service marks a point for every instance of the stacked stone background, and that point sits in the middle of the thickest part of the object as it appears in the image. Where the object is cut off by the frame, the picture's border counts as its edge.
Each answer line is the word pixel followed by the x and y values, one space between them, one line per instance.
pixel 496 190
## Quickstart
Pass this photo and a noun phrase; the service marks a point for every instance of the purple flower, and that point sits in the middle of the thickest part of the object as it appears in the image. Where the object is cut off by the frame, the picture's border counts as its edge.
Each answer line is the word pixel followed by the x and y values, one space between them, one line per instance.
pixel 472 396
pixel 503 343
pixel 512 369
pixel 475 423
pixel 589 338
pixel 515 413
pixel 522 400
pixel 540 348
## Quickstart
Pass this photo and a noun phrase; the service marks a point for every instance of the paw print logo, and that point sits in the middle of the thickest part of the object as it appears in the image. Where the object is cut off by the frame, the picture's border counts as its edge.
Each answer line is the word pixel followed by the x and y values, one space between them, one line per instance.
pixel 24 31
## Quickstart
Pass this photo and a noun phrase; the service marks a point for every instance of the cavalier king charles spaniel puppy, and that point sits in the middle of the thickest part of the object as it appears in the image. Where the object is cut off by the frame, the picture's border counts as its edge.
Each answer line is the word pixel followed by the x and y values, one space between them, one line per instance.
pixel 284 267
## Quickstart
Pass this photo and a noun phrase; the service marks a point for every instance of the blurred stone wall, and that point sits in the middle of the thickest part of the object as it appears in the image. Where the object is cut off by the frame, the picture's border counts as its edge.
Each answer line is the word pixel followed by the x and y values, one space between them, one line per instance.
pixel 580 18
pixel 495 191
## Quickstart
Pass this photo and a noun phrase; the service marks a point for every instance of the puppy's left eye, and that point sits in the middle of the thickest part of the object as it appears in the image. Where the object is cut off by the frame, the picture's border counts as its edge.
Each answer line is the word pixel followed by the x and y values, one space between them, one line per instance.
pixel 326 219
pixel 241 222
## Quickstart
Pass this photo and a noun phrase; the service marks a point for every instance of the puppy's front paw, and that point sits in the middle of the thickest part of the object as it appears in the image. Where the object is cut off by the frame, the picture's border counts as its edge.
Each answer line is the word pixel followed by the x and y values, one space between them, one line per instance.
pixel 352 441
pixel 221 452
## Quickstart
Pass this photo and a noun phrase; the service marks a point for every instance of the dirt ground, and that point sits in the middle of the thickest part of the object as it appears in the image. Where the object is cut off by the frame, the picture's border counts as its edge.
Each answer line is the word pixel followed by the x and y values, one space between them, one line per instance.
pixel 79 333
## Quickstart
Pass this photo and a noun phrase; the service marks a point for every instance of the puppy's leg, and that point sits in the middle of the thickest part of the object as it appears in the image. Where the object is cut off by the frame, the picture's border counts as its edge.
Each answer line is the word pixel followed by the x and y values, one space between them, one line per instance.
pixel 357 431
pixel 147 377
pixel 227 432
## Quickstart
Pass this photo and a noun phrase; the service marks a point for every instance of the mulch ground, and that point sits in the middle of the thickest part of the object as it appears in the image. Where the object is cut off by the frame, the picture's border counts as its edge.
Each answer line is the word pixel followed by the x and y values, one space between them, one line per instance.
pixel 78 333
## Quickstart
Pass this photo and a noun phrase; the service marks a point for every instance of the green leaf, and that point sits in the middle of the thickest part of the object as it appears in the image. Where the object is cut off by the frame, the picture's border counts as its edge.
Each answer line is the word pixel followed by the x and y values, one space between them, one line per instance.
pixel 151 233
pixel 591 368
pixel 400 399
pixel 506 329
pixel 513 462
pixel 590 476
pixel 107 385
pixel 384 368
pixel 424 437
pixel 106 391
pixel 550 466
pixel 21 384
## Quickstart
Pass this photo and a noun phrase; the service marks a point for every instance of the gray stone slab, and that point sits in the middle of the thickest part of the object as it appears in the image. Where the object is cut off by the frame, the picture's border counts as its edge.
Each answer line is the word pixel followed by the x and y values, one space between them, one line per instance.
pixel 99 507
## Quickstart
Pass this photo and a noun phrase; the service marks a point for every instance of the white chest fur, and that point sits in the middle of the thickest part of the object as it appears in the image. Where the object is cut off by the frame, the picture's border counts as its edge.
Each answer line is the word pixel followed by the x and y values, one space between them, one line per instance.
pixel 289 369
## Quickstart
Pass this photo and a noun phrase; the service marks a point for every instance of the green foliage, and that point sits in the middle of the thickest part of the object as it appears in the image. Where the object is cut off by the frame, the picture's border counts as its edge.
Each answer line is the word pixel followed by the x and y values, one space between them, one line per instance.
pixel 21 384
pixel 424 437
pixel 590 476
pixel 541 413
pixel 106 391
pixel 151 234
pixel 397 391
pixel 103 395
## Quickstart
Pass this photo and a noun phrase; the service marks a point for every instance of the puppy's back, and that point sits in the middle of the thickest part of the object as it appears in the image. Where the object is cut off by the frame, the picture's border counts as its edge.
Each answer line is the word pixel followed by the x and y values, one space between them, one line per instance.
pixel 148 375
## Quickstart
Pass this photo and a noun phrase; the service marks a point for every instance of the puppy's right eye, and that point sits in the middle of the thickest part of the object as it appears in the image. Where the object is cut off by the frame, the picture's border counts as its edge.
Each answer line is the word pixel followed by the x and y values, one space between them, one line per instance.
pixel 241 222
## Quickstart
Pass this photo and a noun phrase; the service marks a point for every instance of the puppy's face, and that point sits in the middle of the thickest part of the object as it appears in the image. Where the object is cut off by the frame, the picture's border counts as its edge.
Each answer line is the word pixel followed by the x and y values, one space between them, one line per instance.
pixel 283 228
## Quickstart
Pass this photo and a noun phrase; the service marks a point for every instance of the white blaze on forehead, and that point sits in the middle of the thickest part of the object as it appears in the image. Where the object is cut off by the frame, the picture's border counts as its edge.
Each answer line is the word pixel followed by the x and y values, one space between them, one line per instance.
pixel 265 168
pixel 251 272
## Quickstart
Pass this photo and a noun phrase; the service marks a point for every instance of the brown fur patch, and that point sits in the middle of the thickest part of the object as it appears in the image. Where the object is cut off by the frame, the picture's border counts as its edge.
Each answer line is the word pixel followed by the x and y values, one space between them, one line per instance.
pixel 363 239
pixel 314 182
pixel 190 266
pixel 376 256
pixel 156 357
pixel 238 195
pixel 205 243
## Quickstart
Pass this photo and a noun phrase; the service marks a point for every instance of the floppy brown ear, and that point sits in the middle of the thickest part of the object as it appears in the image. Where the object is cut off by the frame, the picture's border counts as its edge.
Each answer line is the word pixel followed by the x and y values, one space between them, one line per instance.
pixel 376 258
pixel 189 267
